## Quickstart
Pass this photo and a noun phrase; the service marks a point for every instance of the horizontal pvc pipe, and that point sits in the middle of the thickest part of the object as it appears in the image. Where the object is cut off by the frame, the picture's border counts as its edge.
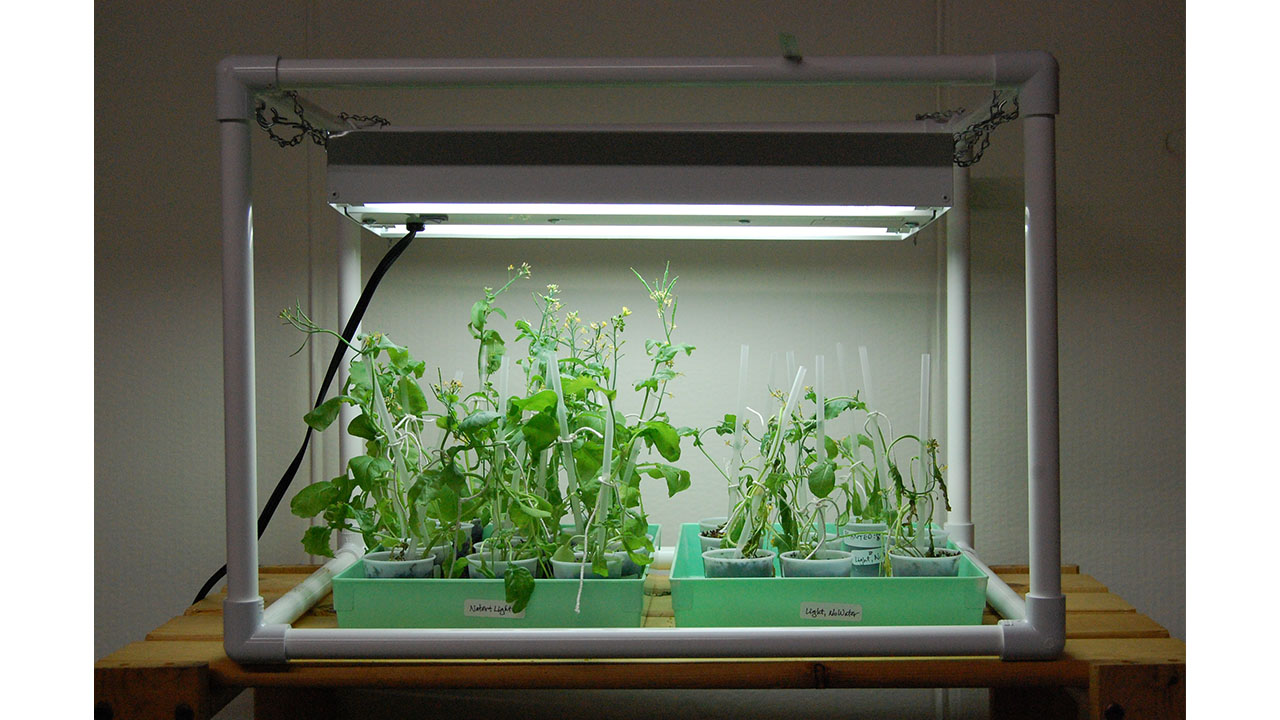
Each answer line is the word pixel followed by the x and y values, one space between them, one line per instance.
pixel 1000 596
pixel 645 642
pixel 390 72
pixel 306 594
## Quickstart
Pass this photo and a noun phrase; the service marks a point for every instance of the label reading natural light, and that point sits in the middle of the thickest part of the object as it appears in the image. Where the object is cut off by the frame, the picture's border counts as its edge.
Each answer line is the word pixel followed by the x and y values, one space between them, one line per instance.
pixel 489 609
pixel 831 611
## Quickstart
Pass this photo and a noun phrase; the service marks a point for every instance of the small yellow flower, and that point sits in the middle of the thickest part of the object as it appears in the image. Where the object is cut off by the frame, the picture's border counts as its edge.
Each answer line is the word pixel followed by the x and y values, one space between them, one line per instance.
pixel 625 311
pixel 511 267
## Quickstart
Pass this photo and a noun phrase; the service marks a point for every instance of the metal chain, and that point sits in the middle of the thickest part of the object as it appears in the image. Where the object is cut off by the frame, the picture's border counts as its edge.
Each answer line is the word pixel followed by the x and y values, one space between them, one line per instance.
pixel 972 141
pixel 302 128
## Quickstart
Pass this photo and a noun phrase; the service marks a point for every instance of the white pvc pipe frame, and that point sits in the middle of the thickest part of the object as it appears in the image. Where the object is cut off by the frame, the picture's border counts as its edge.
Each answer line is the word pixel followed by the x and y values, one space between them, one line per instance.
pixel 253 635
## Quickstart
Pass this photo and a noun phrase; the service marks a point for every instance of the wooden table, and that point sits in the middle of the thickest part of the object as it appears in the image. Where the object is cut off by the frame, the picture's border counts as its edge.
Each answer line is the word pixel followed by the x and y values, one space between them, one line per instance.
pixel 1117 664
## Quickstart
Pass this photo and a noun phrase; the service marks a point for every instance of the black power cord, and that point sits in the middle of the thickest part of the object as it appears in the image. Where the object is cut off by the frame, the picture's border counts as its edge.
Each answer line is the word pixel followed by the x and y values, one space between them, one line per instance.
pixel 335 362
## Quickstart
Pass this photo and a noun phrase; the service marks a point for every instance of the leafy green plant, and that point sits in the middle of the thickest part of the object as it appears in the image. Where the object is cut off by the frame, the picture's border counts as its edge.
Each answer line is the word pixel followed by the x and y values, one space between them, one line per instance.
pixel 500 449
pixel 788 487
pixel 379 492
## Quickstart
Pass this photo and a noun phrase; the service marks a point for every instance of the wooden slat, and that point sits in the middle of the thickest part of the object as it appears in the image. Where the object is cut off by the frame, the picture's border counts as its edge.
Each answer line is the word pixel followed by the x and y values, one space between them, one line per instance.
pixel 1094 625
pixel 1024 569
pixel 692 673
pixel 1097 602
pixel 1071 583
pixel 1101 627
pixel 1138 692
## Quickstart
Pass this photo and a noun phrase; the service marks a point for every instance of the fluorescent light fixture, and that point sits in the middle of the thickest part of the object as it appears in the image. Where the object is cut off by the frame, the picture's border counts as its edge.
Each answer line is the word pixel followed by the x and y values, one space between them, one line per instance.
pixel 637 184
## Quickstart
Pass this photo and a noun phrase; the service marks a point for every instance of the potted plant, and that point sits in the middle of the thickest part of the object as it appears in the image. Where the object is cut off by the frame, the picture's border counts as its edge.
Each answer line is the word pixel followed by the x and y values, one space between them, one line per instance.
pixel 379 493
pixel 915 549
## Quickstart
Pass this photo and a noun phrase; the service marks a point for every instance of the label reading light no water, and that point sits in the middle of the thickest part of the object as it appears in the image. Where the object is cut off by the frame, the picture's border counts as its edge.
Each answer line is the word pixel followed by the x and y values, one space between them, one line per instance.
pixel 831 611
pixel 489 609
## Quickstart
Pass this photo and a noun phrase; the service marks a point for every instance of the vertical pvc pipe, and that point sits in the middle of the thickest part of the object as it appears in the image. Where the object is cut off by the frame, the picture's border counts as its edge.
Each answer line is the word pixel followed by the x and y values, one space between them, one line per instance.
pixel 1042 358
pixel 239 423
pixel 349 285
pixel 960 519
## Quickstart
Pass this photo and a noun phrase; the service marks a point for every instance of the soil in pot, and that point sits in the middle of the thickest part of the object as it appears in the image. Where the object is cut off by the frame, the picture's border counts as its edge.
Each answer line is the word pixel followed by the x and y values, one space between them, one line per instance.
pixel 380 565
pixel 710 531
pixel 945 562
pixel 729 563
pixel 822 563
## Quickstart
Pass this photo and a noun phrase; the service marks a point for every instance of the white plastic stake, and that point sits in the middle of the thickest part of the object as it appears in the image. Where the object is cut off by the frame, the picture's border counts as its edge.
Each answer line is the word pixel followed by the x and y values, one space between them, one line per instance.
pixel 735 465
pixel 504 381
pixel 566 445
pixel 924 420
pixel 869 398
pixel 793 398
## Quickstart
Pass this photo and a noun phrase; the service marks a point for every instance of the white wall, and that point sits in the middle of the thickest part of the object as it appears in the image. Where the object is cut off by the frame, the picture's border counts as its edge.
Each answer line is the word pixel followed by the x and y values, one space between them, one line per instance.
pixel 158 390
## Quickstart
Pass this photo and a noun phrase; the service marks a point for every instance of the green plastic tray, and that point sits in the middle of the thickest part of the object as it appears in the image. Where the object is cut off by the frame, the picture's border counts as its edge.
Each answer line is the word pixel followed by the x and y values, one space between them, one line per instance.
pixel 457 603
pixel 700 601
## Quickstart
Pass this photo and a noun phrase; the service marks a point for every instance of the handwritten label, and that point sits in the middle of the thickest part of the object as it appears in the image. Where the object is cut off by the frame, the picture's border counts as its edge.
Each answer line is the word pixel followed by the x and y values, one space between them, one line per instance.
pixel 873 556
pixel 489 608
pixel 831 611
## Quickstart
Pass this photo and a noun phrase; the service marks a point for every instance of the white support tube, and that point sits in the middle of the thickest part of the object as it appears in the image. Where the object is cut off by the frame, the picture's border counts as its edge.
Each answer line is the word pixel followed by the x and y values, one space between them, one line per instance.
pixel 1003 69
pixel 960 519
pixel 645 642
pixel 1046 607
pixel 1000 596
pixel 349 287
pixel 293 604
pixel 240 430
pixel 244 635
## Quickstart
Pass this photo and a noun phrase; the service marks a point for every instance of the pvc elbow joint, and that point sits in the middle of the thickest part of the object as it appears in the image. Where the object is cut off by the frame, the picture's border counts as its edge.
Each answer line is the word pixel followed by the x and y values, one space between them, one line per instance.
pixel 246 639
pixel 1041 636
pixel 1035 73
pixel 238 78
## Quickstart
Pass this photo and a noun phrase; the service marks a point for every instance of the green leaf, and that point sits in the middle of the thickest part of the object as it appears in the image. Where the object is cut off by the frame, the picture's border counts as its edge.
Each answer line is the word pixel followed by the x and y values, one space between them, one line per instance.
pixel 534 512
pixel 324 414
pixel 833 449
pixel 676 478
pixel 726 425
pixel 492 349
pixel 518 584
pixel 822 479
pixel 313 499
pixel 411 397
pixel 537 402
pixel 564 553
pixel 361 427
pixel 366 470
pixel 316 540
pixel 835 406
pixel 479 312
pixel 540 431
pixel 662 436
pixel 583 383
pixel 478 420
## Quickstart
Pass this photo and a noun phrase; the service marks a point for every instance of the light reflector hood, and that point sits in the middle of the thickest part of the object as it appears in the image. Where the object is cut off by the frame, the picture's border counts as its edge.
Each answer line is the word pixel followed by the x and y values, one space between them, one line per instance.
pixel 627 183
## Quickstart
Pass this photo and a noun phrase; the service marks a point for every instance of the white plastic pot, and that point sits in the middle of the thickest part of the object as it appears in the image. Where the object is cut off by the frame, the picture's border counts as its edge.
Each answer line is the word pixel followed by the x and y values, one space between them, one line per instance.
pixel 496 565
pixel 823 563
pixel 947 565
pixel 866 544
pixel 729 563
pixel 576 568
pixel 380 565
